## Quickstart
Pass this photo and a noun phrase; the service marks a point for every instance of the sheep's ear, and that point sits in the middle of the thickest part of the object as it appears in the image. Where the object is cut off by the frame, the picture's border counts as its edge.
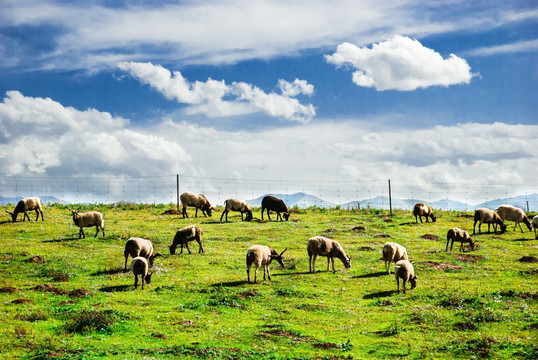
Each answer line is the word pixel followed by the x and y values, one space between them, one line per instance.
pixel 283 251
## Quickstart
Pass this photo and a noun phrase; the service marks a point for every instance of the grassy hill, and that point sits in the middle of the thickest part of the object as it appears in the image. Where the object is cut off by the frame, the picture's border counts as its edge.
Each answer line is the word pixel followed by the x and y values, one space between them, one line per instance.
pixel 64 297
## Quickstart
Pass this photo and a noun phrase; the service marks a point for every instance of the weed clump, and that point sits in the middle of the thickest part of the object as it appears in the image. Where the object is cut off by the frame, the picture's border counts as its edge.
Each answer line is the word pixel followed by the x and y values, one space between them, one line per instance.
pixel 89 321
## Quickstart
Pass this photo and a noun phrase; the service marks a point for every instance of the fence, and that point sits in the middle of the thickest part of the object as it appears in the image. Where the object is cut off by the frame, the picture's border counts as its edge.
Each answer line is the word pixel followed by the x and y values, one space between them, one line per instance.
pixel 347 194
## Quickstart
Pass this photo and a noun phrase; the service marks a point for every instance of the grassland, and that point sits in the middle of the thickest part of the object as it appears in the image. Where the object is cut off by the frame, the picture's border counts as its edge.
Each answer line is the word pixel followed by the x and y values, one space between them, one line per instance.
pixel 64 297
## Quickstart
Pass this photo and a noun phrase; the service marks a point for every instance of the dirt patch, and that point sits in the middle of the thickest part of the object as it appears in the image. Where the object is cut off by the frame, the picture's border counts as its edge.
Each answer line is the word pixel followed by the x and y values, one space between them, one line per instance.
pixel 325 345
pixel 529 259
pixel 468 257
pixel 78 293
pixel 384 236
pixel 60 277
pixel 22 301
pixel 466 215
pixel 51 289
pixel 285 333
pixel 465 326
pixel 440 266
pixel 248 294
pixel 171 212
pixel 36 259
pixel 159 336
pixel 358 228
pixel 9 290
pixel 366 248
pixel 430 237
pixel 331 230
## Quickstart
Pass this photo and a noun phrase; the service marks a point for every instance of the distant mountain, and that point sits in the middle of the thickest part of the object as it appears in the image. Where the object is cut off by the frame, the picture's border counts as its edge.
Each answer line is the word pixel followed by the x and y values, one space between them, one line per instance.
pixel 517 201
pixel 301 199
pixel 44 200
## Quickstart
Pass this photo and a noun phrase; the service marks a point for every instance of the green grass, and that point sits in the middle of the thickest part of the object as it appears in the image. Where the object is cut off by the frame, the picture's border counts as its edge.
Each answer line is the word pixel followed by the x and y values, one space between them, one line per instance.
pixel 75 301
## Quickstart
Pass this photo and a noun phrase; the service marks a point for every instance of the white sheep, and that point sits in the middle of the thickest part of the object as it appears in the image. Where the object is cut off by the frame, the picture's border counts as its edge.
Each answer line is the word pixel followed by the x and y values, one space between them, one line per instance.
pixel 322 246
pixel 393 252
pixel 184 235
pixel 199 201
pixel 487 216
pixel 421 210
pixel 403 269
pixel 458 235
pixel 139 265
pixel 535 225
pixel 136 246
pixel 28 204
pixel 88 219
pixel 262 255
pixel 237 205
pixel 517 215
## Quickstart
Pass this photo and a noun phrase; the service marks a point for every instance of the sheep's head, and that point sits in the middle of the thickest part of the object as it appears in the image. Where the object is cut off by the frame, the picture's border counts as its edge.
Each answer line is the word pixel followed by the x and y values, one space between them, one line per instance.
pixel 278 257
pixel 413 282
pixel 148 278
pixel 434 219
pixel 286 215
pixel 208 209
pixel 347 262
pixel 473 244
pixel 172 249
pixel 503 228
pixel 13 216
pixel 249 215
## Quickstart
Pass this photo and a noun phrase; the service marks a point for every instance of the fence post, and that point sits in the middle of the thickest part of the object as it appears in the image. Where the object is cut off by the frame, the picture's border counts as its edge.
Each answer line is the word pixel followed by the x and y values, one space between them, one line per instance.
pixel 177 192
pixel 390 199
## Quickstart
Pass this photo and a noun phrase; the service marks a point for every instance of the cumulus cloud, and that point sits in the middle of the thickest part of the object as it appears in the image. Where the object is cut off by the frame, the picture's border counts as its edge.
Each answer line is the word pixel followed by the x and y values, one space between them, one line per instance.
pixel 208 97
pixel 401 63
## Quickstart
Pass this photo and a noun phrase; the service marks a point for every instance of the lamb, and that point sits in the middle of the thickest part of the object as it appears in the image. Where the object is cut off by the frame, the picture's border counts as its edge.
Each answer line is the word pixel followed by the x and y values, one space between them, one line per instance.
pixel 184 235
pixel 88 219
pixel 275 204
pixel 512 213
pixel 198 201
pixel 24 205
pixel 393 252
pixel 459 235
pixel 237 205
pixel 136 246
pixel 139 265
pixel 262 255
pixel 487 216
pixel 322 246
pixel 403 269
pixel 535 225
pixel 421 210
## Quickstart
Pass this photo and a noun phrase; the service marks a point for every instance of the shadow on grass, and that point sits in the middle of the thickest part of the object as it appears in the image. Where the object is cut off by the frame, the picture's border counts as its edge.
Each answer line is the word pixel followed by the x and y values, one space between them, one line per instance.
pixel 5 222
pixel 370 275
pixel 522 239
pixel 110 272
pixel 230 283
pixel 116 288
pixel 408 223
pixel 61 240
pixel 379 294
pixel 291 273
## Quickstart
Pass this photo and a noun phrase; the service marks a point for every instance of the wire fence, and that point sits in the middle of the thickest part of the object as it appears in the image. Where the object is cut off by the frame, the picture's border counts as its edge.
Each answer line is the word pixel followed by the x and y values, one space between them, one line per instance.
pixel 346 194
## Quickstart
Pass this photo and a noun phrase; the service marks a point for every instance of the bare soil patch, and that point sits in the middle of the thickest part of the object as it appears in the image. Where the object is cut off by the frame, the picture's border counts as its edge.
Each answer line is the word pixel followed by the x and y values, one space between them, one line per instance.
pixel 77 293
pixel 51 289
pixel 36 259
pixel 171 212
pixel 468 257
pixel 366 248
pixel 383 236
pixel 9 290
pixel 22 301
pixel 325 345
pixel 159 336
pixel 440 266
pixel 331 230
pixel 248 294
pixel 529 259
pixel 430 237
pixel 358 228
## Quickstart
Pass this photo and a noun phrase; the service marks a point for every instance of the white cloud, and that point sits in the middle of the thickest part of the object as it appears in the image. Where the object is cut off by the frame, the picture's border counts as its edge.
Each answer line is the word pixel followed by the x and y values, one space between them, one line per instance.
pixel 400 63
pixel 207 97
pixel 517 47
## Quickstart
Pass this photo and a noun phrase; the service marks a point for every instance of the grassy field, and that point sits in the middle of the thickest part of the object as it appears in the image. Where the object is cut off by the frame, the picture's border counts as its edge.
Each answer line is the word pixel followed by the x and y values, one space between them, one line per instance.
pixel 64 297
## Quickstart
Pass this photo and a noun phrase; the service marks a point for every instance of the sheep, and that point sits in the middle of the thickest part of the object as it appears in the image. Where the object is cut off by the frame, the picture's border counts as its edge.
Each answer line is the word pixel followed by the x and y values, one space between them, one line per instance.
pixel 262 255
pixel 512 213
pixel 403 269
pixel 198 201
pixel 487 216
pixel 322 246
pixel 136 246
pixel 458 235
pixel 237 205
pixel 139 265
pixel 88 219
pixel 275 204
pixel 24 205
pixel 421 210
pixel 535 225
pixel 393 252
pixel 184 235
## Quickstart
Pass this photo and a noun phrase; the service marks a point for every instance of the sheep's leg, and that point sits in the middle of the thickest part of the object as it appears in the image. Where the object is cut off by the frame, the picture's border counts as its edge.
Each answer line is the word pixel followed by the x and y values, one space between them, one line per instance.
pixel 248 273
pixel 201 249
pixel 452 245
pixel 387 266
pixel 136 281
pixel 181 252
pixel 268 216
pixel 187 246
pixel 332 261
pixel 97 232
pixel 37 214
pixel 81 234
pixel 256 274
pixel 403 285
pixel 196 212
pixel 241 215
pixel 184 212
pixel 222 215
pixel 26 216
pixel 398 284
pixel 420 217
pixel 310 260
pixel 461 247
pixel 520 228
pixel 314 263
pixel 268 272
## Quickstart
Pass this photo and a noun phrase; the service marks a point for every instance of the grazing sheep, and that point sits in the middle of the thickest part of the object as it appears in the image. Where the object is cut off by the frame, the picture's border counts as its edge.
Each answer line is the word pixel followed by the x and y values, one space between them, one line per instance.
pixel 24 205
pixel 88 219
pixel 261 255
pixel 198 201
pixel 275 204
pixel 517 215
pixel 139 265
pixel 487 216
pixel 393 252
pixel 421 210
pixel 458 235
pixel 535 225
pixel 136 246
pixel 237 205
pixel 322 246
pixel 403 269
pixel 184 235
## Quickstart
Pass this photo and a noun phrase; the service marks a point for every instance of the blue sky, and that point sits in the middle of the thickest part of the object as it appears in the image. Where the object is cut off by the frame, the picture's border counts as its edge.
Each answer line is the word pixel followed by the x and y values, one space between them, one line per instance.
pixel 408 90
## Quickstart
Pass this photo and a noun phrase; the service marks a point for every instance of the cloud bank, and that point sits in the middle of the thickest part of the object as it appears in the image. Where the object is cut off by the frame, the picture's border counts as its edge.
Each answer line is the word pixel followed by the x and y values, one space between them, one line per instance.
pixel 400 63
pixel 208 97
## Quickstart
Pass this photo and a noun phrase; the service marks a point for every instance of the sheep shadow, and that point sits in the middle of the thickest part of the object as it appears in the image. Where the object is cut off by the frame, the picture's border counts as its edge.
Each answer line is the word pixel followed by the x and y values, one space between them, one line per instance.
pixel 523 239
pixel 60 240
pixel 109 272
pixel 370 275
pixel 230 283
pixel 5 222
pixel 408 223
pixel 117 288
pixel 291 273
pixel 379 294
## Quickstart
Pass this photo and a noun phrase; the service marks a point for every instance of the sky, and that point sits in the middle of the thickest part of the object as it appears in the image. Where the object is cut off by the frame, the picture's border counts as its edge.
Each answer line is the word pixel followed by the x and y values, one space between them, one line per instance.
pixel 425 92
